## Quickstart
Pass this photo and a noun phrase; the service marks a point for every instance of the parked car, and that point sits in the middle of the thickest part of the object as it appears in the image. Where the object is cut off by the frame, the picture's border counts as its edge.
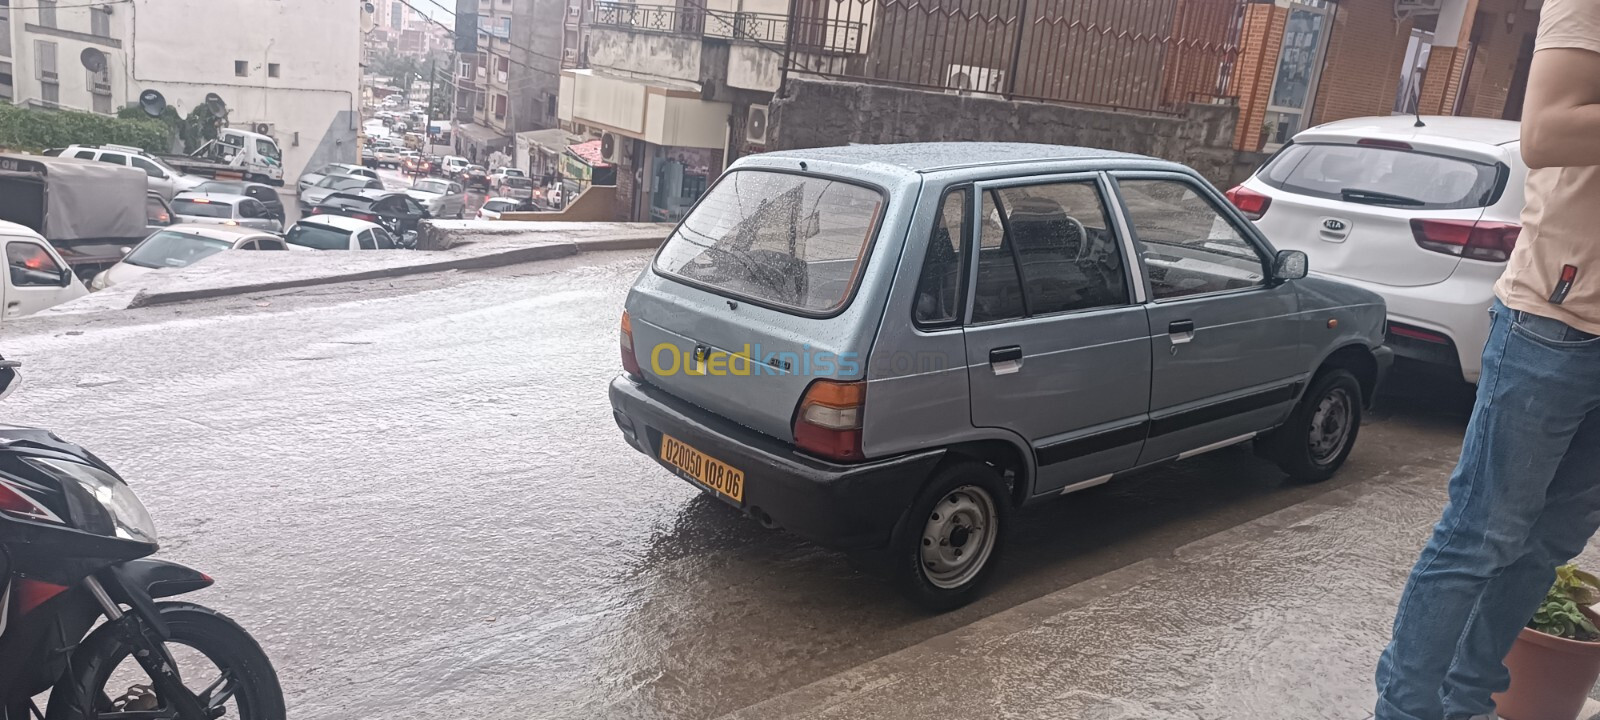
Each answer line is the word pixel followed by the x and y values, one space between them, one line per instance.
pixel 337 232
pixel 220 209
pixel 162 178
pixel 1424 216
pixel 37 277
pixel 388 156
pixel 520 188
pixel 441 198
pixel 888 348
pixel 400 213
pixel 182 246
pixel 505 172
pixel 331 184
pixel 310 179
pixel 493 207
pixel 86 210
pixel 369 158
pixel 267 194
pixel 454 164
pixel 474 176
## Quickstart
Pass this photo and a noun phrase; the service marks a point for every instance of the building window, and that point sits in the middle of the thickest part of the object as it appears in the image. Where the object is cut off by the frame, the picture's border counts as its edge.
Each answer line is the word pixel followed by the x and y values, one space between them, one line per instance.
pixel 499 107
pixel 5 34
pixel 502 68
pixel 272 69
pixel 50 93
pixel 44 61
pixel 551 105
pixel 6 81
pixel 100 21
pixel 47 13
pixel 478 103
pixel 102 104
pixel 397 14
pixel 241 68
pixel 466 70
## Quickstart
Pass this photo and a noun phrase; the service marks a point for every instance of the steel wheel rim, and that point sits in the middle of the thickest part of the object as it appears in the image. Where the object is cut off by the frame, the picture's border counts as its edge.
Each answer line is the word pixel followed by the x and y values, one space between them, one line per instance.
pixel 1330 426
pixel 958 537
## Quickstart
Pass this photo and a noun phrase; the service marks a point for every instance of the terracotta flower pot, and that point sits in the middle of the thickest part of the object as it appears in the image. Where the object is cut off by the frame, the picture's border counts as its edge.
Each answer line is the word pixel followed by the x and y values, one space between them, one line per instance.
pixel 1550 677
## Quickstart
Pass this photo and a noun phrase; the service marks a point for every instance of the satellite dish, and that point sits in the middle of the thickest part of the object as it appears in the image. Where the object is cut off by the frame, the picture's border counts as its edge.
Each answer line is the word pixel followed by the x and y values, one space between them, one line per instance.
pixel 93 60
pixel 153 103
pixel 215 105
pixel 369 8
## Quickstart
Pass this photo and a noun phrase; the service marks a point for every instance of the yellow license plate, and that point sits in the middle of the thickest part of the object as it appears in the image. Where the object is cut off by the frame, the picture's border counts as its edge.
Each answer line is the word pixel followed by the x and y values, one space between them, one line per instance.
pixel 704 469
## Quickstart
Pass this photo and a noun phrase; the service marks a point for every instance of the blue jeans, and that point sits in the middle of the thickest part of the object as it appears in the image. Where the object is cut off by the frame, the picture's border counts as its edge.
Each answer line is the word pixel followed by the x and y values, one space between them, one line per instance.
pixel 1524 499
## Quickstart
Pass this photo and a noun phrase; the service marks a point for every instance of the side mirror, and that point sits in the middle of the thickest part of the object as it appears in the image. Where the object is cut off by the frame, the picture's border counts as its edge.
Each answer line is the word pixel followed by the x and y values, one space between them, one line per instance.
pixel 124 250
pixel 1290 265
pixel 66 277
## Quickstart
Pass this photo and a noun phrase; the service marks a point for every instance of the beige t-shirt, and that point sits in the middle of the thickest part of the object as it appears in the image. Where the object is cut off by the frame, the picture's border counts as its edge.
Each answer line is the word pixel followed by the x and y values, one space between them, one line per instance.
pixel 1555 270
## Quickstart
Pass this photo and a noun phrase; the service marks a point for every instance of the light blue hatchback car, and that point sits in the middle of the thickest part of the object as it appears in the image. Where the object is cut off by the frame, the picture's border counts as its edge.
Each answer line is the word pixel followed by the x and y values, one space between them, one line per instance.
pixel 888 348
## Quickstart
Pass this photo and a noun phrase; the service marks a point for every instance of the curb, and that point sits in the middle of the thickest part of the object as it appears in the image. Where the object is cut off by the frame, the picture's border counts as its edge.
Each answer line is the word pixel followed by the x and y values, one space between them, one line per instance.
pixel 512 256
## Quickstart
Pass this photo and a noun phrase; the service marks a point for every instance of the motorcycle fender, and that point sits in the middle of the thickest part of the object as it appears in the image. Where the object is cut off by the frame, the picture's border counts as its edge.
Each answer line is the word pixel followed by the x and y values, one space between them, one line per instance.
pixel 137 583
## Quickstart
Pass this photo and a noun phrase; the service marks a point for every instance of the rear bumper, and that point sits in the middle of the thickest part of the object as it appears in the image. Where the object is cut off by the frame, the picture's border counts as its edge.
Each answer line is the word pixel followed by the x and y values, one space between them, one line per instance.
pixel 839 506
pixel 1456 309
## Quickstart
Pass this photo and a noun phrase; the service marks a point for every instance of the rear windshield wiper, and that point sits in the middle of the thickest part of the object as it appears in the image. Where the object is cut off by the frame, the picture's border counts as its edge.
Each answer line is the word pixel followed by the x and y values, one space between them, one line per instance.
pixel 1373 197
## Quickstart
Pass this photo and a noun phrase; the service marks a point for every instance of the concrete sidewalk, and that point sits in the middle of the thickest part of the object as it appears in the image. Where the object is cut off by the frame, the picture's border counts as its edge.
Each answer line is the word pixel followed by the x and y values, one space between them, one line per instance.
pixel 466 245
pixel 1282 617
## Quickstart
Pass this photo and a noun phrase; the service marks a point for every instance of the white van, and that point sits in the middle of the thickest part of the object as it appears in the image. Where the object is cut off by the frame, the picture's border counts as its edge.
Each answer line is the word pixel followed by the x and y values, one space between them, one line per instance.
pixel 36 277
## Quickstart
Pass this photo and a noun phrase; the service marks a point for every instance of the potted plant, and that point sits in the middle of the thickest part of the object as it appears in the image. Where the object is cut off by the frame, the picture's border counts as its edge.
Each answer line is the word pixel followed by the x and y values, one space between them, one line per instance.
pixel 1556 659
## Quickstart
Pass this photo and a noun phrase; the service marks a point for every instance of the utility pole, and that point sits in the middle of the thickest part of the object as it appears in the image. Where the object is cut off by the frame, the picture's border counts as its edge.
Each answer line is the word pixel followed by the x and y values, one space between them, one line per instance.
pixel 433 92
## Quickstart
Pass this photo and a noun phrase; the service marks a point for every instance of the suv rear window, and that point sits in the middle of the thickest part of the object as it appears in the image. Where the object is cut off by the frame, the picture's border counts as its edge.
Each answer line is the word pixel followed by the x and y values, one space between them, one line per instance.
pixel 1391 177
pixel 202 208
pixel 793 241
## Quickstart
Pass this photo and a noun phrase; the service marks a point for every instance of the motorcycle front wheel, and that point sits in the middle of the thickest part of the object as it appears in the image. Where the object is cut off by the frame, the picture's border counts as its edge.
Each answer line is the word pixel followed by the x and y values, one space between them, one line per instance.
pixel 219 662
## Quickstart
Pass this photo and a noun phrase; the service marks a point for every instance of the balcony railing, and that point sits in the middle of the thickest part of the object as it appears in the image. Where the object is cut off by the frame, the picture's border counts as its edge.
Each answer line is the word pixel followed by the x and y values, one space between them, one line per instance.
pixel 811 34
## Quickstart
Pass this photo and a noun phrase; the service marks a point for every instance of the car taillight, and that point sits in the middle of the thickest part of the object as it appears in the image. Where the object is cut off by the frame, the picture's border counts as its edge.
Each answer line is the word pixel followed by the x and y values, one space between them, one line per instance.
pixel 629 362
pixel 365 216
pixel 828 422
pixel 1249 202
pixel 1481 240
pixel 316 211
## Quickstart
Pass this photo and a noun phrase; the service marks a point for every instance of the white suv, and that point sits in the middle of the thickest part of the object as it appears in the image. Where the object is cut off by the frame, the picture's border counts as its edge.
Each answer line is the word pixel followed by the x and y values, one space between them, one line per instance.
pixel 163 179
pixel 1424 216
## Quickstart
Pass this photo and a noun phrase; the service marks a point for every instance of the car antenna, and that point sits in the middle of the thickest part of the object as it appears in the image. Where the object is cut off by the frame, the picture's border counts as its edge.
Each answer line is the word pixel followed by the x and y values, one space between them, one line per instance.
pixel 1416 107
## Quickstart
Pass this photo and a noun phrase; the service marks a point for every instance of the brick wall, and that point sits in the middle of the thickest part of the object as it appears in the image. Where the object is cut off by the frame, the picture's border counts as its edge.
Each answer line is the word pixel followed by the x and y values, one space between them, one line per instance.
pixel 1498 46
pixel 1261 39
pixel 1362 71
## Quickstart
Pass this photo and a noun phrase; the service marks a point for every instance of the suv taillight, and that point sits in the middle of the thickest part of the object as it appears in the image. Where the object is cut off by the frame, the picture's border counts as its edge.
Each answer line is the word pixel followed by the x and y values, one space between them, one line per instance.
pixel 828 422
pixel 1249 202
pixel 1481 240
pixel 630 364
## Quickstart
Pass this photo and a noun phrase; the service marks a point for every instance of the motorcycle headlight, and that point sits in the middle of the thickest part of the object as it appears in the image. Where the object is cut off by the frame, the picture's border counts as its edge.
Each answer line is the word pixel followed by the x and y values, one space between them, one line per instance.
pixel 110 507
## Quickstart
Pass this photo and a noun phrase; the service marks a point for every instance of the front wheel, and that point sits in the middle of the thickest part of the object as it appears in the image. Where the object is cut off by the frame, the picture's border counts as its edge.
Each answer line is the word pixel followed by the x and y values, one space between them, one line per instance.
pixel 1321 430
pixel 947 544
pixel 219 662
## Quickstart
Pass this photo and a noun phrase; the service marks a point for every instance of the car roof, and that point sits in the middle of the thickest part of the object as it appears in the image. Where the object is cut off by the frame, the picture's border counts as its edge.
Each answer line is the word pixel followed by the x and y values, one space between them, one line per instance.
pixel 501 199
pixel 1482 131
pixel 230 198
pixel 936 156
pixel 341 222
pixel 10 228
pixel 226 233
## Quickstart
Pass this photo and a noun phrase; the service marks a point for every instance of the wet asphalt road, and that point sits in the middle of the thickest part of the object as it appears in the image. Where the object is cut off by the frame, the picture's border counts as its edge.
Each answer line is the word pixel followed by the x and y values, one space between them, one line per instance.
pixel 413 493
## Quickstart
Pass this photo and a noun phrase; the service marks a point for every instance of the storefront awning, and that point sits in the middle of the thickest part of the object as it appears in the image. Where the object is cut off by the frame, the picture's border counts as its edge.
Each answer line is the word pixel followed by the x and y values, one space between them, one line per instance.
pixel 483 137
pixel 657 112
pixel 589 153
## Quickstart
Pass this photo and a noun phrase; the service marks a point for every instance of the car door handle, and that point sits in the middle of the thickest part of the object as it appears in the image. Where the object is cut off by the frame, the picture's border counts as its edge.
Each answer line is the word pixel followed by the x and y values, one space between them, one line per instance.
pixel 1006 360
pixel 1180 331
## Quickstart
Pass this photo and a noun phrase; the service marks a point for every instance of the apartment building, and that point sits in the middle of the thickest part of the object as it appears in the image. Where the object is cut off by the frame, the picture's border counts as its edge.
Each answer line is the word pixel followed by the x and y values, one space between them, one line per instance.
pixel 515 76
pixel 70 57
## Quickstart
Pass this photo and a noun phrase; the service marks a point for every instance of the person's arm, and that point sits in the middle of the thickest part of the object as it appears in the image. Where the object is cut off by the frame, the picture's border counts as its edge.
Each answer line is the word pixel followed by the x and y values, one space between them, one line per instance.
pixel 1561 113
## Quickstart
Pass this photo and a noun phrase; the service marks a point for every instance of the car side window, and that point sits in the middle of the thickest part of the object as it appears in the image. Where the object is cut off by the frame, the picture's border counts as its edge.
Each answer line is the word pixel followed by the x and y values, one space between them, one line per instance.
pixel 939 288
pixel 1062 238
pixel 384 239
pixel 455 188
pixel 248 245
pixel 84 154
pixel 412 206
pixel 31 265
pixel 366 241
pixel 114 158
pixel 250 208
pixel 148 167
pixel 373 184
pixel 1189 247
pixel 155 212
pixel 270 244
pixel 998 294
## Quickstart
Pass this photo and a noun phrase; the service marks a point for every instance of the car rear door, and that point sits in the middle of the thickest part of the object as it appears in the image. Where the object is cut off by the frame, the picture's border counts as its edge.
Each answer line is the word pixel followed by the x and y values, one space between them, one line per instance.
pixel 1226 359
pixel 1350 207
pixel 1057 341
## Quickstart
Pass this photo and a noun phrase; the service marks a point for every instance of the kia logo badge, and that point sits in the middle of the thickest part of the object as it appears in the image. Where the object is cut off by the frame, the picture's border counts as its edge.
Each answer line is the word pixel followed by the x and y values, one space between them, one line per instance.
pixel 1334 225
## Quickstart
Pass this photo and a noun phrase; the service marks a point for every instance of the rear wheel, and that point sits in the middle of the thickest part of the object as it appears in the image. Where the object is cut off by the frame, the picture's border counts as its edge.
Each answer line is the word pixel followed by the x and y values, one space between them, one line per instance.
pixel 1321 430
pixel 947 545
pixel 219 662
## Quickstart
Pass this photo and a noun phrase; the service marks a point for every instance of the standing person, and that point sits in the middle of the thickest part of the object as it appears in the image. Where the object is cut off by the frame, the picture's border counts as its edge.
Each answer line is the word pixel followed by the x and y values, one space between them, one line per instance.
pixel 1526 494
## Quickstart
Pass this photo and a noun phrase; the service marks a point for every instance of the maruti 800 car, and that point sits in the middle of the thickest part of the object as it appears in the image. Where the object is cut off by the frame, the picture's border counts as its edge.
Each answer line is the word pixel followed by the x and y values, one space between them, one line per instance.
pixel 889 348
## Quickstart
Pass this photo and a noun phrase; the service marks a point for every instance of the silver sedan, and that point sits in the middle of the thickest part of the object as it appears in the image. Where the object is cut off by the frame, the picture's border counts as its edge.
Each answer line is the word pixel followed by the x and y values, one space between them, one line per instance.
pixel 442 198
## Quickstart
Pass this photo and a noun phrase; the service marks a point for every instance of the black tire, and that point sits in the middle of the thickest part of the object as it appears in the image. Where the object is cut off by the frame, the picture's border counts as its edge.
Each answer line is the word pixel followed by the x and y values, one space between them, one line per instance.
pixel 1304 447
pixel 220 639
pixel 962 484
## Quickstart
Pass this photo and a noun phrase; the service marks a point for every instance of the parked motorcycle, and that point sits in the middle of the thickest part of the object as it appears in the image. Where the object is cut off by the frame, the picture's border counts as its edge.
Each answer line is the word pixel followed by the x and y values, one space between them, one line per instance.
pixel 75 543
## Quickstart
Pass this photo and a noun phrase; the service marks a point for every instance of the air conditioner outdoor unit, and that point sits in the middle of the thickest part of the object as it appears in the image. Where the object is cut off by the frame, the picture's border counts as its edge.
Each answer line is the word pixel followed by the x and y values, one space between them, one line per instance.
pixel 756 125
pixel 1408 8
pixel 262 128
pixel 611 148
pixel 971 78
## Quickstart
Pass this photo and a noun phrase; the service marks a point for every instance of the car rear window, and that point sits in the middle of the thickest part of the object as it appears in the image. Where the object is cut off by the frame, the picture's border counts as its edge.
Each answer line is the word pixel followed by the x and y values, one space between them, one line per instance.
pixel 202 208
pixel 793 241
pixel 1376 175
pixel 516 182
pixel 318 237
